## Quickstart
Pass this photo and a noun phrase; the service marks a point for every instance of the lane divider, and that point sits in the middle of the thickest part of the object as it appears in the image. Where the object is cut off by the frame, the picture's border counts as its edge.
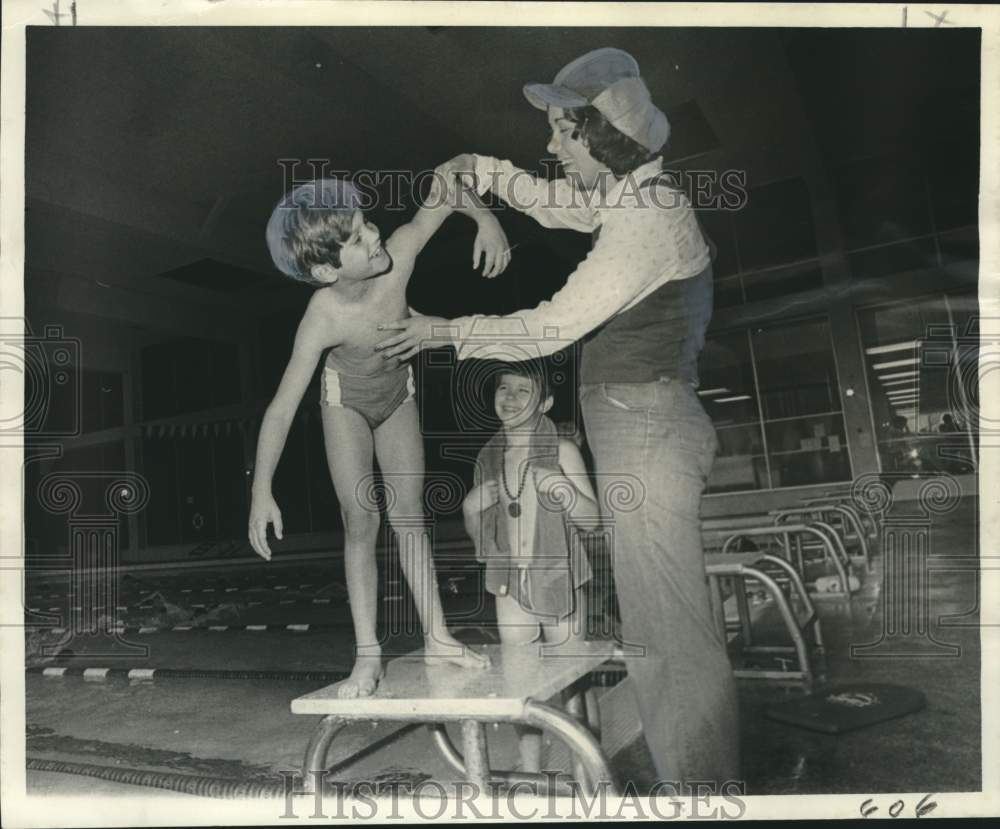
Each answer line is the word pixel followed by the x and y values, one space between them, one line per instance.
pixel 226 788
pixel 188 590
pixel 605 675
pixel 256 587
pixel 451 588
pixel 200 606
pixel 199 785
pixel 298 627
pixel 105 673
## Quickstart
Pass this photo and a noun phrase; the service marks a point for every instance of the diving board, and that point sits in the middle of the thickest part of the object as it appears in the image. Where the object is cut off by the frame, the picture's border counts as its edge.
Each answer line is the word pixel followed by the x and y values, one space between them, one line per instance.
pixel 520 686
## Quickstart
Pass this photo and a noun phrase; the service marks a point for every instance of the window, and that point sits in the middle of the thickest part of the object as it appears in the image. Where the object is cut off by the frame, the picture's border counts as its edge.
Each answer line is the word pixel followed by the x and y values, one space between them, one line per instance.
pixel 773 396
pixel 767 248
pixel 776 226
pixel 882 200
pixel 922 365
pixel 904 212
pixel 729 394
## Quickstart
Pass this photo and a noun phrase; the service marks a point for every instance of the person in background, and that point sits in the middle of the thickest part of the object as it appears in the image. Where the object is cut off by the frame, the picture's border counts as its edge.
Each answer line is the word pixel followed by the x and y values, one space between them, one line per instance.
pixel 948 423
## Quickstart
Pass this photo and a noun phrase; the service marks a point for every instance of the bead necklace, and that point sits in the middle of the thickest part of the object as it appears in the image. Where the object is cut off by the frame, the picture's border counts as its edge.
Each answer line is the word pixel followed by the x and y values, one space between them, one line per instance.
pixel 513 508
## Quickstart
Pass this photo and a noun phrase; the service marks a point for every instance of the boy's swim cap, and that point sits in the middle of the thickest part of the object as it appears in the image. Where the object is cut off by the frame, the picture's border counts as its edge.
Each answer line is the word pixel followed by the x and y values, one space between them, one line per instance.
pixel 321 194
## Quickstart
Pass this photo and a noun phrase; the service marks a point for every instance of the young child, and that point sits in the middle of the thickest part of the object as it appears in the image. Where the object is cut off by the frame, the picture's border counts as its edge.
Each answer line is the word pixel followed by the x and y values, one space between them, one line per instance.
pixel 531 495
pixel 318 235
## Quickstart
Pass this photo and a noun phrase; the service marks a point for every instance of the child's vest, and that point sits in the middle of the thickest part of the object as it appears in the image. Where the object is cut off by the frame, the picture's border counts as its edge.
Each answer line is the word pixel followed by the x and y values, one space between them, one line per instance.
pixel 549 569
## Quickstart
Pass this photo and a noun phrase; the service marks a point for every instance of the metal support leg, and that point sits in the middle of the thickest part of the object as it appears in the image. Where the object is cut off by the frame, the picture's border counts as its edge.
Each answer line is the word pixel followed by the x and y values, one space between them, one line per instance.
pixel 831 545
pixel 846 516
pixel 455 759
pixel 477 767
pixel 715 601
pixel 592 711
pixel 798 590
pixel 743 609
pixel 577 738
pixel 575 707
pixel 791 623
pixel 798 556
pixel 848 519
pixel 319 745
pixel 836 541
pixel 447 747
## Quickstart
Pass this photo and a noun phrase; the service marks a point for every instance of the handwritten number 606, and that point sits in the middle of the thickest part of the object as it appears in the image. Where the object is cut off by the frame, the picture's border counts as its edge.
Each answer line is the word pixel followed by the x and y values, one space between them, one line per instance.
pixel 924 807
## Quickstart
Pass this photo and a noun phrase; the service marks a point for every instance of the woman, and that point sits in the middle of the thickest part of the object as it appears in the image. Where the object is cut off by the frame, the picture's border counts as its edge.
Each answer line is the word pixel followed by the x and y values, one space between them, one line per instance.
pixel 642 299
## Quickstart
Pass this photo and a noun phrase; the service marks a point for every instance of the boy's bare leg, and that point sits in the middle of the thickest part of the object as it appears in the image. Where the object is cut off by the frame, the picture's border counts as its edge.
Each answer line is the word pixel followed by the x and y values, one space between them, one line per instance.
pixel 519 628
pixel 349 448
pixel 400 451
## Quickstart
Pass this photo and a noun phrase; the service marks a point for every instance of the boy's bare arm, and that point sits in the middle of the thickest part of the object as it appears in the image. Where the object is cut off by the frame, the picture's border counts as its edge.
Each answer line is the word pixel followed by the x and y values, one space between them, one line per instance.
pixel 445 198
pixel 480 498
pixel 473 520
pixel 583 509
pixel 310 340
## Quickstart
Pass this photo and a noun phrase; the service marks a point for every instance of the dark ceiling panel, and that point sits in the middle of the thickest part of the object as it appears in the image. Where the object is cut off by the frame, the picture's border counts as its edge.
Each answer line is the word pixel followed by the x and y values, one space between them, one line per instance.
pixel 217 276
pixel 196 119
pixel 868 91
pixel 691 134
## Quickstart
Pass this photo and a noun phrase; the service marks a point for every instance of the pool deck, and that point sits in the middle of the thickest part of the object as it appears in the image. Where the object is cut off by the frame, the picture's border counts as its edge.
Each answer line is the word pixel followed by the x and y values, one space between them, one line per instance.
pixel 245 729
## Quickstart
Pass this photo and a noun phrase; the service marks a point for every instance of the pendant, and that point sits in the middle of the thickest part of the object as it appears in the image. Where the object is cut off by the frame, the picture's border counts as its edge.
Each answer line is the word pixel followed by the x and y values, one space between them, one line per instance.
pixel 514 509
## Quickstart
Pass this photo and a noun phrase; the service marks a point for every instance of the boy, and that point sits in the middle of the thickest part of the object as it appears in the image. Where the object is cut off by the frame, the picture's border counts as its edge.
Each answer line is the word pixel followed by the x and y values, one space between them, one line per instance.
pixel 318 235
pixel 531 491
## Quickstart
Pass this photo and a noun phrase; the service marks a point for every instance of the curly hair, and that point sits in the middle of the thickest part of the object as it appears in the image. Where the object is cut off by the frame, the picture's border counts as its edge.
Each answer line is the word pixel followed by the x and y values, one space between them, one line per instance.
pixel 612 148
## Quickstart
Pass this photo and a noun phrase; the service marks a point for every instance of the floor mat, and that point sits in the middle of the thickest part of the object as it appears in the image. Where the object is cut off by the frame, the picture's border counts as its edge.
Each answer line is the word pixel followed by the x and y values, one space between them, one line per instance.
pixel 848 707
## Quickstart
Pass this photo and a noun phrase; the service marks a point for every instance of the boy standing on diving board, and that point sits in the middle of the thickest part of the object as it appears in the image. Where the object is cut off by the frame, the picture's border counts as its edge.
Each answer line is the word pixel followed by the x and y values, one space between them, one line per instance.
pixel 318 234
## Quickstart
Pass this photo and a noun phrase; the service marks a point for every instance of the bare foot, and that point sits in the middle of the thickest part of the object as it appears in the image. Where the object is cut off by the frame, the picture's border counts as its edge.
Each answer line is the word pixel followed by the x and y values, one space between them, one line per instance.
pixel 365 675
pixel 446 648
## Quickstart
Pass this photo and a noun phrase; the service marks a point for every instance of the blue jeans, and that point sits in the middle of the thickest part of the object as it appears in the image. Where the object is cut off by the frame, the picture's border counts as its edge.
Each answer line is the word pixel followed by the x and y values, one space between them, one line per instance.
pixel 656 438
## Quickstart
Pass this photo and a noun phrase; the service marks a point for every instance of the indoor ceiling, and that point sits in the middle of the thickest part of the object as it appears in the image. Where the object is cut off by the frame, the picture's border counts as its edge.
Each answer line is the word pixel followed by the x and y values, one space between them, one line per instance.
pixel 152 150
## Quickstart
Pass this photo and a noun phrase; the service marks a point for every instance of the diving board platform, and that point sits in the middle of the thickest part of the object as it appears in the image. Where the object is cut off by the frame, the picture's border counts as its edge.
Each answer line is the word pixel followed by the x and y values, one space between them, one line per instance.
pixel 520 686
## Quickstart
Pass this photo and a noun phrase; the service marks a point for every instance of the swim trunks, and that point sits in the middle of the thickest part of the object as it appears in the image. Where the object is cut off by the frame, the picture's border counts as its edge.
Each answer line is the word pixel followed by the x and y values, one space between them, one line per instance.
pixel 375 397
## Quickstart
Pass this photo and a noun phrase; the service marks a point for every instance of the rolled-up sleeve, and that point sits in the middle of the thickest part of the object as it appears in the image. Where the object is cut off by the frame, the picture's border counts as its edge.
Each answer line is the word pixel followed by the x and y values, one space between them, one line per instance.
pixel 636 253
pixel 554 204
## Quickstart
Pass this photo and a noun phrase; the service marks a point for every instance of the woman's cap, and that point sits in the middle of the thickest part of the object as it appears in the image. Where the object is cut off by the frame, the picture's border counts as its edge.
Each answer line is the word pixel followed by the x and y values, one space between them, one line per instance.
pixel 607 79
